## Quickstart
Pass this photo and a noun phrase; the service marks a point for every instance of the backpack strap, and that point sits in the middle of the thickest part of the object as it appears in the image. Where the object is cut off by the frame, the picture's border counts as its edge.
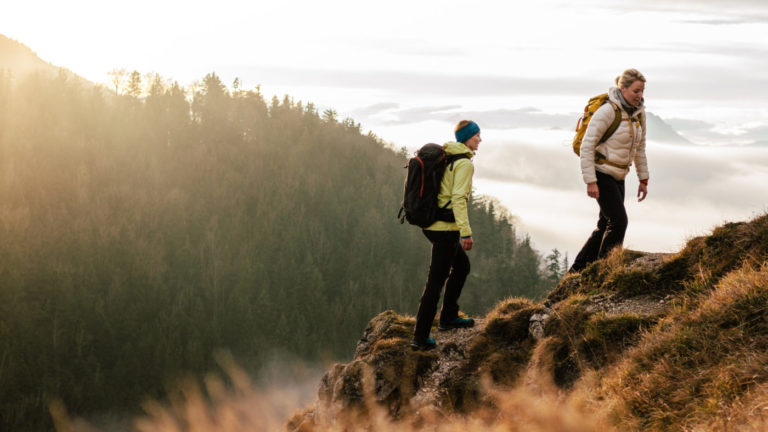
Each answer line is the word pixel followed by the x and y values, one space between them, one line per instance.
pixel 444 213
pixel 599 158
pixel 454 158
pixel 615 125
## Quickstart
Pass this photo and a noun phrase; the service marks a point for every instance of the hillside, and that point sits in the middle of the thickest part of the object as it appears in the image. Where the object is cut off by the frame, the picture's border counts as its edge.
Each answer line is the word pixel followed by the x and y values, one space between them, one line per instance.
pixel 145 233
pixel 20 61
pixel 638 341
pixel 19 57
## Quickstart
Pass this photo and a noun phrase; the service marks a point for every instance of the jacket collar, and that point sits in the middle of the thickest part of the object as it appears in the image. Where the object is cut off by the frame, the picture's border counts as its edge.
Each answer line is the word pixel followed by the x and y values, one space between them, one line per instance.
pixel 455 148
pixel 614 94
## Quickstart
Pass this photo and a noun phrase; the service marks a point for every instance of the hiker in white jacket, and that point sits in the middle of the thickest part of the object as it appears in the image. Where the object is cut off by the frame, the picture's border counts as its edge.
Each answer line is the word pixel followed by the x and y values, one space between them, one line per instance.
pixel 605 164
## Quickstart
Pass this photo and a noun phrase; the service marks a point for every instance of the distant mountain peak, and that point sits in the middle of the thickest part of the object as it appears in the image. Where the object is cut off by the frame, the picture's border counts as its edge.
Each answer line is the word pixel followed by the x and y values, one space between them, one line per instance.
pixel 659 130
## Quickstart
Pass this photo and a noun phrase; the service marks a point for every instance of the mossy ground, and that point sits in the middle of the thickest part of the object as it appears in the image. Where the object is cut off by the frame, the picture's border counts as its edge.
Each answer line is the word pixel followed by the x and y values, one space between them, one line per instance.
pixel 706 257
pixel 499 352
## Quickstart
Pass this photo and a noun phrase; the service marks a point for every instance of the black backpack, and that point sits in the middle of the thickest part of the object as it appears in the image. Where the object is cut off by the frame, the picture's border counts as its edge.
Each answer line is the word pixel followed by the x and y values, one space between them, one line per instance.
pixel 422 184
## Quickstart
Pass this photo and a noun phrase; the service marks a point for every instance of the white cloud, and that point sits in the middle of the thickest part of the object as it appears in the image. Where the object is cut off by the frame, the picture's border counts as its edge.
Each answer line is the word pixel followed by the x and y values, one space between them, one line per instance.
pixel 711 12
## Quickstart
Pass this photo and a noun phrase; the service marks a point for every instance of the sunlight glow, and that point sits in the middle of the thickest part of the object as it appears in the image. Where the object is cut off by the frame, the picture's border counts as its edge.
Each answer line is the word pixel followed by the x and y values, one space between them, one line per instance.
pixel 419 56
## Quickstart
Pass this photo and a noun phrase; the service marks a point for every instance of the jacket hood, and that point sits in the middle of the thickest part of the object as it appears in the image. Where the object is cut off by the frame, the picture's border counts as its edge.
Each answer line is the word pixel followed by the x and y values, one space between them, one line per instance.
pixel 454 148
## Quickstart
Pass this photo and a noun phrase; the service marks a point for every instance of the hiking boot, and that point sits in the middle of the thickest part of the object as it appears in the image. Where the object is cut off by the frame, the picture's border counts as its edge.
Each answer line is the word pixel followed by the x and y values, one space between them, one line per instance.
pixel 455 323
pixel 423 344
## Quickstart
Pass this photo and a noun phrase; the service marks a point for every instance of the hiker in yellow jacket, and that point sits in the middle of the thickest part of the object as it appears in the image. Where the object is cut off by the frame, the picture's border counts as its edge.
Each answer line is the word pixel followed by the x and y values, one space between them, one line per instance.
pixel 449 240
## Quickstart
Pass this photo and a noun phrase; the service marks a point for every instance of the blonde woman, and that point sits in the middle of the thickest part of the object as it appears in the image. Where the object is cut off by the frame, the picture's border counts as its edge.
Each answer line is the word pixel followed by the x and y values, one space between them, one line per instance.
pixel 605 164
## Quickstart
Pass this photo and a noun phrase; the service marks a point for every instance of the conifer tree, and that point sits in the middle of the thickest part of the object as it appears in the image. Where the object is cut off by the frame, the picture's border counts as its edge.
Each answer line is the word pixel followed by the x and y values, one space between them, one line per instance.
pixel 134 85
pixel 554 269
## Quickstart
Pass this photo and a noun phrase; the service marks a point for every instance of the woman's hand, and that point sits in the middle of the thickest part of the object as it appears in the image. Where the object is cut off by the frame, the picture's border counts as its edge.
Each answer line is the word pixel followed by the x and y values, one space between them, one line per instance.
pixel 642 191
pixel 467 243
pixel 593 191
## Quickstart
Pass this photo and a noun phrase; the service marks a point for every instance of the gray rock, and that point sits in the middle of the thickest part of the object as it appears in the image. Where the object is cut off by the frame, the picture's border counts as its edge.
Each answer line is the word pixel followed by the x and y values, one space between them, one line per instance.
pixel 536 325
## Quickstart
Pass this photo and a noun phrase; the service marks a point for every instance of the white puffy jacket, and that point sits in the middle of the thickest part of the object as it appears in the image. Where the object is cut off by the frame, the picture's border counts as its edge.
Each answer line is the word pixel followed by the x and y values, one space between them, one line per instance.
pixel 625 146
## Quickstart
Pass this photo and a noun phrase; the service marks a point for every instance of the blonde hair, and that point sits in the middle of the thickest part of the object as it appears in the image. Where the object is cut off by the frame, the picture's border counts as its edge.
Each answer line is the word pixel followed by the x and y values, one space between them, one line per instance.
pixel 628 77
pixel 461 124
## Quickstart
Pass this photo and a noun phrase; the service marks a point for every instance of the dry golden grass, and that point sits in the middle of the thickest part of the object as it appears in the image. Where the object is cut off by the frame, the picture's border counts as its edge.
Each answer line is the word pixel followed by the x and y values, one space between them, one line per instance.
pixel 509 306
pixel 535 405
pixel 542 409
pixel 700 365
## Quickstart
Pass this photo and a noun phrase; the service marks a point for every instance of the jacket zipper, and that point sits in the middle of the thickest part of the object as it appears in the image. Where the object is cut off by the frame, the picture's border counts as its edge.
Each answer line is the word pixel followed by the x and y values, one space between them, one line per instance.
pixel 632 140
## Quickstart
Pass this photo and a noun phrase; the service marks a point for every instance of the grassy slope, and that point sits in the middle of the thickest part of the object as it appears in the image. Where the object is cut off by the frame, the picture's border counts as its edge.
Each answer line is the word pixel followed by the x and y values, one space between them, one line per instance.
pixel 697 362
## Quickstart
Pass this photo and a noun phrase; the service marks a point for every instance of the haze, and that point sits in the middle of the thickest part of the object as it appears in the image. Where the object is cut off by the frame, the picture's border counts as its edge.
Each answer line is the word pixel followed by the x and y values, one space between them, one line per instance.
pixel 523 70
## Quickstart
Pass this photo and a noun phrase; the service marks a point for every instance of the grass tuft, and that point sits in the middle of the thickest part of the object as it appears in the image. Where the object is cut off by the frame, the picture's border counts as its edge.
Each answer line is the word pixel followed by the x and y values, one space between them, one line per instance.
pixel 703 363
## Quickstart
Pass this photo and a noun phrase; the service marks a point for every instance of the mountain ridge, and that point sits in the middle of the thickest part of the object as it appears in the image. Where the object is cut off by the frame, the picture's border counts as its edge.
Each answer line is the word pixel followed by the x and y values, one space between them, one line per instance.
pixel 22 60
pixel 655 341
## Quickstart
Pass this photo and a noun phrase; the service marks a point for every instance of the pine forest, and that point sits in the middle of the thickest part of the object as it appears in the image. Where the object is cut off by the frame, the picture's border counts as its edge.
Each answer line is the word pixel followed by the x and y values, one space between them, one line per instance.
pixel 146 227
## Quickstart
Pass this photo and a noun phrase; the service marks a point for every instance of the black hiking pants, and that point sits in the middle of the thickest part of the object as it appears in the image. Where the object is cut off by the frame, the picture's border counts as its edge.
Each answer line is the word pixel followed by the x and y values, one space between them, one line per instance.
pixel 448 261
pixel 611 224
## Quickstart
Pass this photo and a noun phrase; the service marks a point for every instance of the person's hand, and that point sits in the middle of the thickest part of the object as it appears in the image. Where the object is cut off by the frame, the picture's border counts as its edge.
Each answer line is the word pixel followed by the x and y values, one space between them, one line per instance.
pixel 642 191
pixel 593 191
pixel 467 243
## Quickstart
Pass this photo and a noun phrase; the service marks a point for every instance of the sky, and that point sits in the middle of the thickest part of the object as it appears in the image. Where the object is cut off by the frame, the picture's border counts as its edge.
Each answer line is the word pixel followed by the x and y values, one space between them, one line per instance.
pixel 408 71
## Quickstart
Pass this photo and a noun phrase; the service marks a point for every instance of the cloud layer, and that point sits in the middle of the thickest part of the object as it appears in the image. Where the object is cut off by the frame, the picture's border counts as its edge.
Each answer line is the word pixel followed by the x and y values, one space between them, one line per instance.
pixel 678 131
pixel 691 190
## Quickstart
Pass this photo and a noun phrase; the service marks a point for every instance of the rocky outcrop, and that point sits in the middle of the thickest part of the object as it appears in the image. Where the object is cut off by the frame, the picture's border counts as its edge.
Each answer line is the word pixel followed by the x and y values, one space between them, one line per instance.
pixel 386 372
pixel 588 323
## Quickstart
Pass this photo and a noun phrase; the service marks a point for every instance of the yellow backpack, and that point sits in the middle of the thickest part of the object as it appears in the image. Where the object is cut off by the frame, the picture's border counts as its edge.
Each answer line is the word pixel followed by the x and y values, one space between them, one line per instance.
pixel 589 110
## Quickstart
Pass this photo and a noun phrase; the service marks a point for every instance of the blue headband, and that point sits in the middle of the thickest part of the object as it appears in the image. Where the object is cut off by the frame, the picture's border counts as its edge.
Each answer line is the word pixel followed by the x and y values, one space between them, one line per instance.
pixel 467 132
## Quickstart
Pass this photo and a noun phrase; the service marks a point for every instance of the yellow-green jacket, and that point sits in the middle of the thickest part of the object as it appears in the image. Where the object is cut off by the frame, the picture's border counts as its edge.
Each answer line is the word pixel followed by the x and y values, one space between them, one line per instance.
pixel 456 187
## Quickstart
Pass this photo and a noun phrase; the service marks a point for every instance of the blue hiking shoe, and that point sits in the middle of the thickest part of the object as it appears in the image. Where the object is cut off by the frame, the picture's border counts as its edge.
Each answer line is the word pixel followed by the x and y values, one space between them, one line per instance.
pixel 455 323
pixel 423 344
